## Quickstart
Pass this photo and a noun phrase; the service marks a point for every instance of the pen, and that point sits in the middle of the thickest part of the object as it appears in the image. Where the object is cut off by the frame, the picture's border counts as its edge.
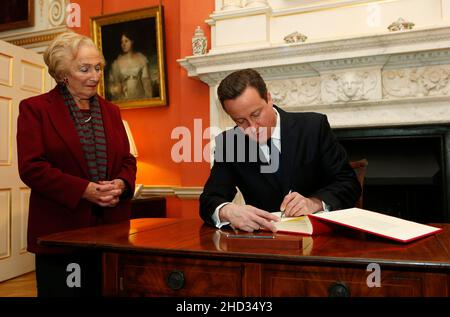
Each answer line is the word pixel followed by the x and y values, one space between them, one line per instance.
pixel 249 236
pixel 282 213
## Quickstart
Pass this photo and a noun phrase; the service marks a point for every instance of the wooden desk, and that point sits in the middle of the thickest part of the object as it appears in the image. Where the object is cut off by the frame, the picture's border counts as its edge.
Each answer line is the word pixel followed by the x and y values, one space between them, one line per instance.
pixel 184 257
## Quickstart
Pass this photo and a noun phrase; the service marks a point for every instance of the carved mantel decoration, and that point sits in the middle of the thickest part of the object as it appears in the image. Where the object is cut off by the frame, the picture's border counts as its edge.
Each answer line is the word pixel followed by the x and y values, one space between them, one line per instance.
pixel 400 25
pixel 295 37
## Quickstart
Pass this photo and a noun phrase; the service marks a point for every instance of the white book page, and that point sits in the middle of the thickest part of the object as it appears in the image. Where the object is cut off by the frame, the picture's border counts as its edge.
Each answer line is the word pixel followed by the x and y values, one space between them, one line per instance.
pixel 293 224
pixel 378 223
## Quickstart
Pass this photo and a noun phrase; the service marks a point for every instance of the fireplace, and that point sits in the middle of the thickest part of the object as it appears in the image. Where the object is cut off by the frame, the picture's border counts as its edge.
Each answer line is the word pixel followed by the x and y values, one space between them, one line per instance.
pixel 408 171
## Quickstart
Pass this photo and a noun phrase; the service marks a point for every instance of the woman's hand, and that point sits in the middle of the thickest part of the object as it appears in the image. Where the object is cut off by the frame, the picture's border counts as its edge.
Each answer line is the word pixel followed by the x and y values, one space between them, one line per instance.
pixel 105 193
pixel 117 183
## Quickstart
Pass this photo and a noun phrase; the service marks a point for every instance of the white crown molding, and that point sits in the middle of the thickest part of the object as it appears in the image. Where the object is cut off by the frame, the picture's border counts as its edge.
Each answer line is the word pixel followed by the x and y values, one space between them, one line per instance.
pixel 188 192
pixel 36 40
pixel 237 13
pixel 180 192
pixel 320 7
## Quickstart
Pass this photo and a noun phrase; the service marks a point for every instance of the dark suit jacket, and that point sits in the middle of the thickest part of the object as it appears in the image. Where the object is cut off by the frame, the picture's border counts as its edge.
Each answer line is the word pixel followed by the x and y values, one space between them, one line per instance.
pixel 52 164
pixel 312 163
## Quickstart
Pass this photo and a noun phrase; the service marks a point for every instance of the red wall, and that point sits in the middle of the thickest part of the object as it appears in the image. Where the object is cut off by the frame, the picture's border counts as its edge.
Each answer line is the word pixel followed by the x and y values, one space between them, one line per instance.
pixel 188 98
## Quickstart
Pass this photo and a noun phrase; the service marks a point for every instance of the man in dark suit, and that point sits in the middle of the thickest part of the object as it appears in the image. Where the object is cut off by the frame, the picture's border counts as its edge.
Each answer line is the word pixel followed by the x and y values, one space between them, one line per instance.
pixel 279 161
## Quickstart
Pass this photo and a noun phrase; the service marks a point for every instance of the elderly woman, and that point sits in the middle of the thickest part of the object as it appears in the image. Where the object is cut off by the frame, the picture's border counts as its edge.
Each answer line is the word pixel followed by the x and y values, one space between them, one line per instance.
pixel 73 153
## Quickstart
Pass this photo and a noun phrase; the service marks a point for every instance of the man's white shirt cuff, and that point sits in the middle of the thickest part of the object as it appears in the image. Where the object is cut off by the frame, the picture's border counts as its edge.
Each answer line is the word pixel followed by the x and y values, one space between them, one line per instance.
pixel 216 219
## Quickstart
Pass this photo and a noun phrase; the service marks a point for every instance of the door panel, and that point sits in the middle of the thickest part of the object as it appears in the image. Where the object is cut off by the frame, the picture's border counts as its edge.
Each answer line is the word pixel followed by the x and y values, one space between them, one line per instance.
pixel 22 74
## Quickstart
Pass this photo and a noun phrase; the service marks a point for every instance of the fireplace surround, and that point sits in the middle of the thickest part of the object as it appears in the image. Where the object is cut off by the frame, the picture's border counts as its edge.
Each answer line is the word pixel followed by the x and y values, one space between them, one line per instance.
pixel 408 172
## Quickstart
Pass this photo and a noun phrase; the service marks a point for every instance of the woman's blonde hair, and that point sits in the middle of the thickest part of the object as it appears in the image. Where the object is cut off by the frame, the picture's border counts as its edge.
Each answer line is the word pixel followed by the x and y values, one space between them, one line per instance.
pixel 63 50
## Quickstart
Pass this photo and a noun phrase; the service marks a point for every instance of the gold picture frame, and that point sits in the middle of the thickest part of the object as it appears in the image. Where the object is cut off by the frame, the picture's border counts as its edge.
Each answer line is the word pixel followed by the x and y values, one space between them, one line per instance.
pixel 16 14
pixel 132 43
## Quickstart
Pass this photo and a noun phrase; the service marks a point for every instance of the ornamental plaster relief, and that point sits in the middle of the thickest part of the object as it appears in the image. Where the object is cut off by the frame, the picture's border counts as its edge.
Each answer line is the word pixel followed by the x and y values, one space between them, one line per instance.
pixel 416 82
pixel 350 86
pixel 290 92
pixel 57 12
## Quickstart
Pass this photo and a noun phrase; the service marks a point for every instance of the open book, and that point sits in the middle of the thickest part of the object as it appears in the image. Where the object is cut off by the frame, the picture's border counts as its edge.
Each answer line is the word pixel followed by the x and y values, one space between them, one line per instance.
pixel 364 220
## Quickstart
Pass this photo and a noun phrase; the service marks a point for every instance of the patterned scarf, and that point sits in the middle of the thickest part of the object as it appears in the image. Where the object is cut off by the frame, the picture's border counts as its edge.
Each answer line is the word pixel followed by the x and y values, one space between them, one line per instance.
pixel 91 133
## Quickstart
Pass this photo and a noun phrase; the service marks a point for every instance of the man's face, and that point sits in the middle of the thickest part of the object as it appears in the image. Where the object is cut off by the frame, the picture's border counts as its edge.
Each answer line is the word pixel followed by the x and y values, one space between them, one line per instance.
pixel 252 114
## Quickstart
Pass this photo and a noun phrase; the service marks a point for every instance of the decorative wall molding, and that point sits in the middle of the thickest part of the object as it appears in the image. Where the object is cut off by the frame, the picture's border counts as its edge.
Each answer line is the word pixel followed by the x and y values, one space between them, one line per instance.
pixel 231 5
pixel 180 192
pixel 50 20
pixel 320 6
pixel 226 5
pixel 234 11
pixel 57 12
pixel 35 39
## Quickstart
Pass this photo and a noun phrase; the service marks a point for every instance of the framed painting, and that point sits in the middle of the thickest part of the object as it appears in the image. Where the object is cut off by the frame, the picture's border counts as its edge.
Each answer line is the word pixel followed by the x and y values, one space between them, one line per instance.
pixel 15 14
pixel 132 43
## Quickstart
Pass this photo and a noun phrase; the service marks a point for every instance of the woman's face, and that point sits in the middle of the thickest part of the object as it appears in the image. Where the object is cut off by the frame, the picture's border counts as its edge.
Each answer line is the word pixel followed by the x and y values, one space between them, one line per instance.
pixel 84 73
pixel 126 44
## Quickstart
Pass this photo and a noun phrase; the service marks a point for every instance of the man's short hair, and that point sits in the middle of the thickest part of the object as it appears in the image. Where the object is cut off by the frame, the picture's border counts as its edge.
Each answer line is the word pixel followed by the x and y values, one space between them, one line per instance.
pixel 233 85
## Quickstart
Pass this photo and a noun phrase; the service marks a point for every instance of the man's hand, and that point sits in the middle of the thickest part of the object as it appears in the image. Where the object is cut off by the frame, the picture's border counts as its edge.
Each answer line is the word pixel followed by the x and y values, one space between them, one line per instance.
pixel 247 218
pixel 295 205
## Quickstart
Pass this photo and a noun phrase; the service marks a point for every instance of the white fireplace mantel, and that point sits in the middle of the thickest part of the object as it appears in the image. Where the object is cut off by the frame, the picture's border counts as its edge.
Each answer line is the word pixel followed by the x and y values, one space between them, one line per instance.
pixel 399 78
pixel 307 58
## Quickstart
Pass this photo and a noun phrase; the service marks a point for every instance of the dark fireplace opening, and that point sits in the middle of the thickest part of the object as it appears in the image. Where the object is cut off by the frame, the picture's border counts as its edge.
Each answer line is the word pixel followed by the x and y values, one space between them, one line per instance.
pixel 407 175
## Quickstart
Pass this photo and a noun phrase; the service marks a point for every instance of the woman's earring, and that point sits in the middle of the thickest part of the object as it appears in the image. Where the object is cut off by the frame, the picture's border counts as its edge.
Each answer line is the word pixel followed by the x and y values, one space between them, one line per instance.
pixel 65 81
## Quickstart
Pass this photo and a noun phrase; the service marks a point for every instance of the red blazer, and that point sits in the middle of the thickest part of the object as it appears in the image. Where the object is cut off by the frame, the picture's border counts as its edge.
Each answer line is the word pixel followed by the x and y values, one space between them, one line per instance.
pixel 52 164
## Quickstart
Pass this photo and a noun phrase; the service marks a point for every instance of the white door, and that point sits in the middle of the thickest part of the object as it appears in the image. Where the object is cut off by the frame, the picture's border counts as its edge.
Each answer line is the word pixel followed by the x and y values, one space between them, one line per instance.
pixel 22 74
